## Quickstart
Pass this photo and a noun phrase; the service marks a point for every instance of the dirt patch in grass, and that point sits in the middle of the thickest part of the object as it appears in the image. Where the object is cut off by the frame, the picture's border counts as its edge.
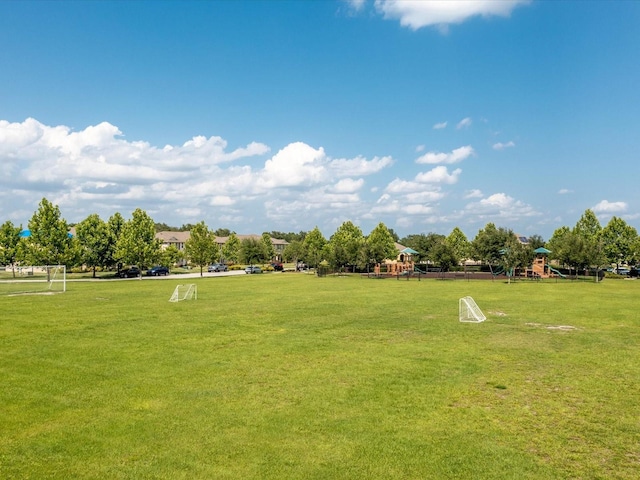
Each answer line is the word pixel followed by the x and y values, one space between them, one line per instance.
pixel 564 328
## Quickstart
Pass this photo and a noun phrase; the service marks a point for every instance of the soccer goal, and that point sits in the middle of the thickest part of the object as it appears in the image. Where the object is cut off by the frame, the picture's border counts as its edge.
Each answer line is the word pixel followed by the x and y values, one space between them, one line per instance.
pixel 185 292
pixel 33 279
pixel 469 311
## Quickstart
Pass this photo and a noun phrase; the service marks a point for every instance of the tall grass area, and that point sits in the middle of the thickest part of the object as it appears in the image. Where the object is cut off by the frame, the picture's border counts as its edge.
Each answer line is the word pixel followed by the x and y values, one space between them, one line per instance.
pixel 291 376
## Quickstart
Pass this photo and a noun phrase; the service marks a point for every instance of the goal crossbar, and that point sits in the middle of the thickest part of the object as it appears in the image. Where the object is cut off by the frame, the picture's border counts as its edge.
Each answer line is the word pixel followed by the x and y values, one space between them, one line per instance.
pixel 469 311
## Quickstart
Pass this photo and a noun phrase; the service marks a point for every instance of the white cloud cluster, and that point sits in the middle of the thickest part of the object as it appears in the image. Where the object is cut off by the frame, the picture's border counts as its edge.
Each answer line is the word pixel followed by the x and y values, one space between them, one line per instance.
pixel 95 170
pixel 499 206
pixel 503 146
pixel 416 14
pixel 608 207
pixel 455 156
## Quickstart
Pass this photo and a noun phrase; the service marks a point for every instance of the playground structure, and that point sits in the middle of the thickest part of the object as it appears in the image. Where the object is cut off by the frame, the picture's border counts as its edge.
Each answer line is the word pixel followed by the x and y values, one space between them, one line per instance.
pixel 540 267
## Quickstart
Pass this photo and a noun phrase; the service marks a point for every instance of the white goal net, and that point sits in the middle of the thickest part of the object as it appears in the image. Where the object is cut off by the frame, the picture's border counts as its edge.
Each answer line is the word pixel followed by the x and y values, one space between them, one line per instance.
pixel 469 311
pixel 185 292
pixel 34 279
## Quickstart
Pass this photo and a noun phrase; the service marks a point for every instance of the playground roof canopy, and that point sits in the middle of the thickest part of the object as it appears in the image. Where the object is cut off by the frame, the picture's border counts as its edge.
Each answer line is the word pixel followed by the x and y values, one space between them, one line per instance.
pixel 542 250
pixel 409 251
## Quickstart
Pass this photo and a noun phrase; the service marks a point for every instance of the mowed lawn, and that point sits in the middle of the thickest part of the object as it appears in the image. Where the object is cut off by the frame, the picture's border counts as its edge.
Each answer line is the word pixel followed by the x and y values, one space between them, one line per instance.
pixel 291 376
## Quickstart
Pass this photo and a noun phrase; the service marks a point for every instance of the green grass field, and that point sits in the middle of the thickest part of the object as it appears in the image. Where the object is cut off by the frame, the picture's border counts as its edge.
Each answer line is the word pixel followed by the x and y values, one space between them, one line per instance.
pixel 282 376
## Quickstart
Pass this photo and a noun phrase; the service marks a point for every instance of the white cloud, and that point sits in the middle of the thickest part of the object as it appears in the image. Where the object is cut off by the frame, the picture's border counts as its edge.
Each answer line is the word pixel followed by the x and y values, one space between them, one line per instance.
pixel 455 156
pixel 356 4
pixel 475 193
pixel 502 146
pixel 606 206
pixel 464 123
pixel 439 174
pixel 501 206
pixel 564 191
pixel 359 166
pixel 294 165
pixel 416 14
pixel 417 209
pixel 440 126
pixel 348 185
pixel 420 148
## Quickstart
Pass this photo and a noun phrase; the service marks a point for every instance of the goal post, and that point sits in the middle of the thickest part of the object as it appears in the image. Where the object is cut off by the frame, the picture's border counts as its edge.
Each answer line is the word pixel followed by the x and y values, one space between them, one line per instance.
pixel 468 311
pixel 33 279
pixel 185 292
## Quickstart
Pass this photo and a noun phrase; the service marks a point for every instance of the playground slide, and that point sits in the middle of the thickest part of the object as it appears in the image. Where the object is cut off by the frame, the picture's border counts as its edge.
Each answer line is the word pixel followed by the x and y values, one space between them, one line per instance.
pixel 551 269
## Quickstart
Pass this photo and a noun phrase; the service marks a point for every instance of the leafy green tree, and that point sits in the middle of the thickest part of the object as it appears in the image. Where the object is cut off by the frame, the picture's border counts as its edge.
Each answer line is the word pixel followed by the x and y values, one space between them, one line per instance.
pixel 50 242
pixel 137 244
pixel 289 237
pixel 515 255
pixel 170 256
pixel 222 232
pixel 345 246
pixel 115 225
pixel 589 231
pixel 231 249
pixel 294 251
pixel 459 244
pixel 380 244
pixel 252 251
pixel 9 242
pixel 314 244
pixel 201 248
pixel 267 244
pixel 619 240
pixel 443 255
pixel 489 244
pixel 568 248
pixel 536 241
pixel 93 241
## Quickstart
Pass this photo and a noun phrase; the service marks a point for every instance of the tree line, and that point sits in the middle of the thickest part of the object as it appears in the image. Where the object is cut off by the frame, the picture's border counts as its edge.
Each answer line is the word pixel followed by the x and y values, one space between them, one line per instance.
pixel 116 242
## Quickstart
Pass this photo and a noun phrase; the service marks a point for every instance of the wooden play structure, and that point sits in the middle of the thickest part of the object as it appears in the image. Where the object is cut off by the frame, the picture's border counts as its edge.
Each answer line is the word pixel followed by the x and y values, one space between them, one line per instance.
pixel 540 267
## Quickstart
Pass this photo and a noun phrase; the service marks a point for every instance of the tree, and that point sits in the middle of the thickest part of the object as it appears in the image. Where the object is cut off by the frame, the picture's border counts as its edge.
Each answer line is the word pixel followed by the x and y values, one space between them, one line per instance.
pixel 589 231
pixel 380 244
pixel 422 244
pixel 252 251
pixel 267 244
pixel 294 251
pixel 114 229
pixel 49 242
pixel 170 256
pixel 201 248
pixel 231 249
pixel 222 232
pixel 443 255
pixel 459 244
pixel 93 240
pixel 515 255
pixel 9 242
pixel 618 241
pixel 489 244
pixel 345 246
pixel 314 244
pixel 536 241
pixel 568 248
pixel 137 244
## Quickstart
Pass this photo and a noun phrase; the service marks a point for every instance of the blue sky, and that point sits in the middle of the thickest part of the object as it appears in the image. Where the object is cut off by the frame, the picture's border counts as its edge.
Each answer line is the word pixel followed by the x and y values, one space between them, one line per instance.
pixel 286 115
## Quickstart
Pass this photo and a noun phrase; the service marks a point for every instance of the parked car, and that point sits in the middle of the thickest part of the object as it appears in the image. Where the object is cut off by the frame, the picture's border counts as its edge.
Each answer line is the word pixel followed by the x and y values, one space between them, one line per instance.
pixel 218 267
pixel 253 269
pixel 130 272
pixel 157 271
pixel 622 271
pixel 277 266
